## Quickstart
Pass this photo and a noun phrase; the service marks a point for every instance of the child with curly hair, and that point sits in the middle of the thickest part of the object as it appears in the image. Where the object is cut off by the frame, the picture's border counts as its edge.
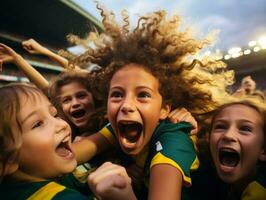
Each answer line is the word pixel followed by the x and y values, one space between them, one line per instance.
pixel 144 74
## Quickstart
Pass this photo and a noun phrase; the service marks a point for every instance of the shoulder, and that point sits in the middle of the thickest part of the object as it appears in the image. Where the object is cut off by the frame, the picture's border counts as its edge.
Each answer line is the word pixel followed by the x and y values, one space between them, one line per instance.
pixel 172 145
pixel 168 136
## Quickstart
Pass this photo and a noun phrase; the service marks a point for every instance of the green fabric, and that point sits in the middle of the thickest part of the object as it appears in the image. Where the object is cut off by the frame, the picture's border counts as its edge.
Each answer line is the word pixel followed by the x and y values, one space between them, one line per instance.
pixel 22 191
pixel 173 141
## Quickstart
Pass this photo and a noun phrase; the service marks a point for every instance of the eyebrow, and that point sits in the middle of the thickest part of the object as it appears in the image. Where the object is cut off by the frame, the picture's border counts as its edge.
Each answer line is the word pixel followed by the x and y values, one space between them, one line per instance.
pixel 34 113
pixel 29 116
pixel 241 120
pixel 138 88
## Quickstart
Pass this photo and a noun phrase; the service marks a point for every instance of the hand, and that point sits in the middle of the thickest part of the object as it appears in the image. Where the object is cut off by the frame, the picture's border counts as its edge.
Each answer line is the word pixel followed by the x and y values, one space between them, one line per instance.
pixel 183 115
pixel 33 47
pixel 6 55
pixel 111 181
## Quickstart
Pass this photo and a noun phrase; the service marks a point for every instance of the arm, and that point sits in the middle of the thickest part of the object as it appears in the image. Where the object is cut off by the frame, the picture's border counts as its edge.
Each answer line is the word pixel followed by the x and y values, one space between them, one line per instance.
pixel 165 182
pixel 111 182
pixel 9 55
pixel 35 48
pixel 89 146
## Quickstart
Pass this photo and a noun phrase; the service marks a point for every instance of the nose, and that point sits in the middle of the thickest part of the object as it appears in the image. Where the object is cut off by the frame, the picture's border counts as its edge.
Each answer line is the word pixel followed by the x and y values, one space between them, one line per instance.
pixel 230 135
pixel 60 125
pixel 75 103
pixel 128 106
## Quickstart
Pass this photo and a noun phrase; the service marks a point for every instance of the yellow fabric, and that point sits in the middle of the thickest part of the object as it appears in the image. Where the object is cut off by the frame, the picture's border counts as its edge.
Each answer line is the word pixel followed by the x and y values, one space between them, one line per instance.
pixel 194 139
pixel 47 192
pixel 196 163
pixel 109 136
pixel 161 159
pixel 254 191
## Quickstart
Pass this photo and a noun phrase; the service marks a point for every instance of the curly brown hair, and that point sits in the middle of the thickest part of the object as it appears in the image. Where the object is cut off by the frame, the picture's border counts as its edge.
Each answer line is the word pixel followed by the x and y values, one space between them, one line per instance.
pixel 165 51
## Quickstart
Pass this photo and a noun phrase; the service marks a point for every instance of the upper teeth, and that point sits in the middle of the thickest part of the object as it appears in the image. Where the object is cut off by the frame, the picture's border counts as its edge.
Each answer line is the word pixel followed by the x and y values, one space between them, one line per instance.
pixel 127 122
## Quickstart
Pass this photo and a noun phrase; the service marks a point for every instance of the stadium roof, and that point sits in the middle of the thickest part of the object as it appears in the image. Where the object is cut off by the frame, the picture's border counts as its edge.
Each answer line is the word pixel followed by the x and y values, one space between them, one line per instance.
pixel 47 21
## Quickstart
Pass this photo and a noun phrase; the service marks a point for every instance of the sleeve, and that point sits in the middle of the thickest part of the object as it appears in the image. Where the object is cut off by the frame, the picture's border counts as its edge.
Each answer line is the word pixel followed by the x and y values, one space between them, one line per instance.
pixel 173 146
pixel 109 134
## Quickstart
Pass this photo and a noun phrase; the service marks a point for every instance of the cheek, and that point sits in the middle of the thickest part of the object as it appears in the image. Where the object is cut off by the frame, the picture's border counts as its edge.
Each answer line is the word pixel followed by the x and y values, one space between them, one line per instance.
pixel 111 109
pixel 213 143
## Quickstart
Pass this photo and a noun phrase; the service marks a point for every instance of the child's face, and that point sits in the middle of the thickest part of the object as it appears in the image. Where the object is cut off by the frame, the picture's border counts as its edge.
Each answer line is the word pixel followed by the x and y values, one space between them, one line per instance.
pixel 248 84
pixel 77 104
pixel 236 142
pixel 134 107
pixel 46 140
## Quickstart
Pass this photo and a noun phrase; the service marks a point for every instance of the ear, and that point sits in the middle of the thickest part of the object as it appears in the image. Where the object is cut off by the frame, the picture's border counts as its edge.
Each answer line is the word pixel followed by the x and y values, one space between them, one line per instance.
pixel 165 111
pixel 262 156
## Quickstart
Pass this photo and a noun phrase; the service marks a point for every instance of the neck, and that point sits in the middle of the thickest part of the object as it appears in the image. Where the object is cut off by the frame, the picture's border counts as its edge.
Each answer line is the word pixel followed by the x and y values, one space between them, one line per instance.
pixel 20 176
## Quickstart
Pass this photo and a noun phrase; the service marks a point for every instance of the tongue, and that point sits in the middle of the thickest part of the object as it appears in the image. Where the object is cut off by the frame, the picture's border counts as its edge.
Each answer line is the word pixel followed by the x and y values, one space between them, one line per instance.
pixel 62 151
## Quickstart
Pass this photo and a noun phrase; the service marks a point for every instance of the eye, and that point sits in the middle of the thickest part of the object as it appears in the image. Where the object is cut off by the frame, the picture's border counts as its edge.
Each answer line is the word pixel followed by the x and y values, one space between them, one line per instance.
pixel 144 94
pixel 245 128
pixel 81 95
pixel 55 115
pixel 219 126
pixel 54 112
pixel 116 94
pixel 65 100
pixel 37 124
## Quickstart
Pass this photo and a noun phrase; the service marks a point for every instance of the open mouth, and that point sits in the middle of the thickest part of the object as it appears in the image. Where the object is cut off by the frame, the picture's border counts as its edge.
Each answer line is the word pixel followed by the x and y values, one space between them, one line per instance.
pixel 63 149
pixel 229 157
pixel 78 113
pixel 130 132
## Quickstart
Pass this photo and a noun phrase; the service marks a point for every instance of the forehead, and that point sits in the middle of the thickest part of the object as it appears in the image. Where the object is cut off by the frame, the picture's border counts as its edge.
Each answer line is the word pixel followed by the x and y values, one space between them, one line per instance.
pixel 72 87
pixel 29 101
pixel 240 112
pixel 134 73
pixel 247 79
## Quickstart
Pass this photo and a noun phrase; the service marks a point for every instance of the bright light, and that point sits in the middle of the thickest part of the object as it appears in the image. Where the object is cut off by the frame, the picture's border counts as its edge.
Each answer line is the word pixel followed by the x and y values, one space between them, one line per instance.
pixel 262 42
pixel 234 50
pixel 207 53
pixel 256 49
pixel 252 43
pixel 226 57
pixel 247 51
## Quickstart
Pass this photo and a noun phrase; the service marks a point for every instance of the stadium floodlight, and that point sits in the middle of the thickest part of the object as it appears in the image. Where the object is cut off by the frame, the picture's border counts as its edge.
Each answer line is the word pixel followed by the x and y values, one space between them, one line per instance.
pixel 234 50
pixel 227 57
pixel 247 51
pixel 256 49
pixel 252 43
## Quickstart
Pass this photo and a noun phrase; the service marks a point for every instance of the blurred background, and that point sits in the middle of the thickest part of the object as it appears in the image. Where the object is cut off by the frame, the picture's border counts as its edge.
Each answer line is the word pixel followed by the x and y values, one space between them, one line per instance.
pixel 241 23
